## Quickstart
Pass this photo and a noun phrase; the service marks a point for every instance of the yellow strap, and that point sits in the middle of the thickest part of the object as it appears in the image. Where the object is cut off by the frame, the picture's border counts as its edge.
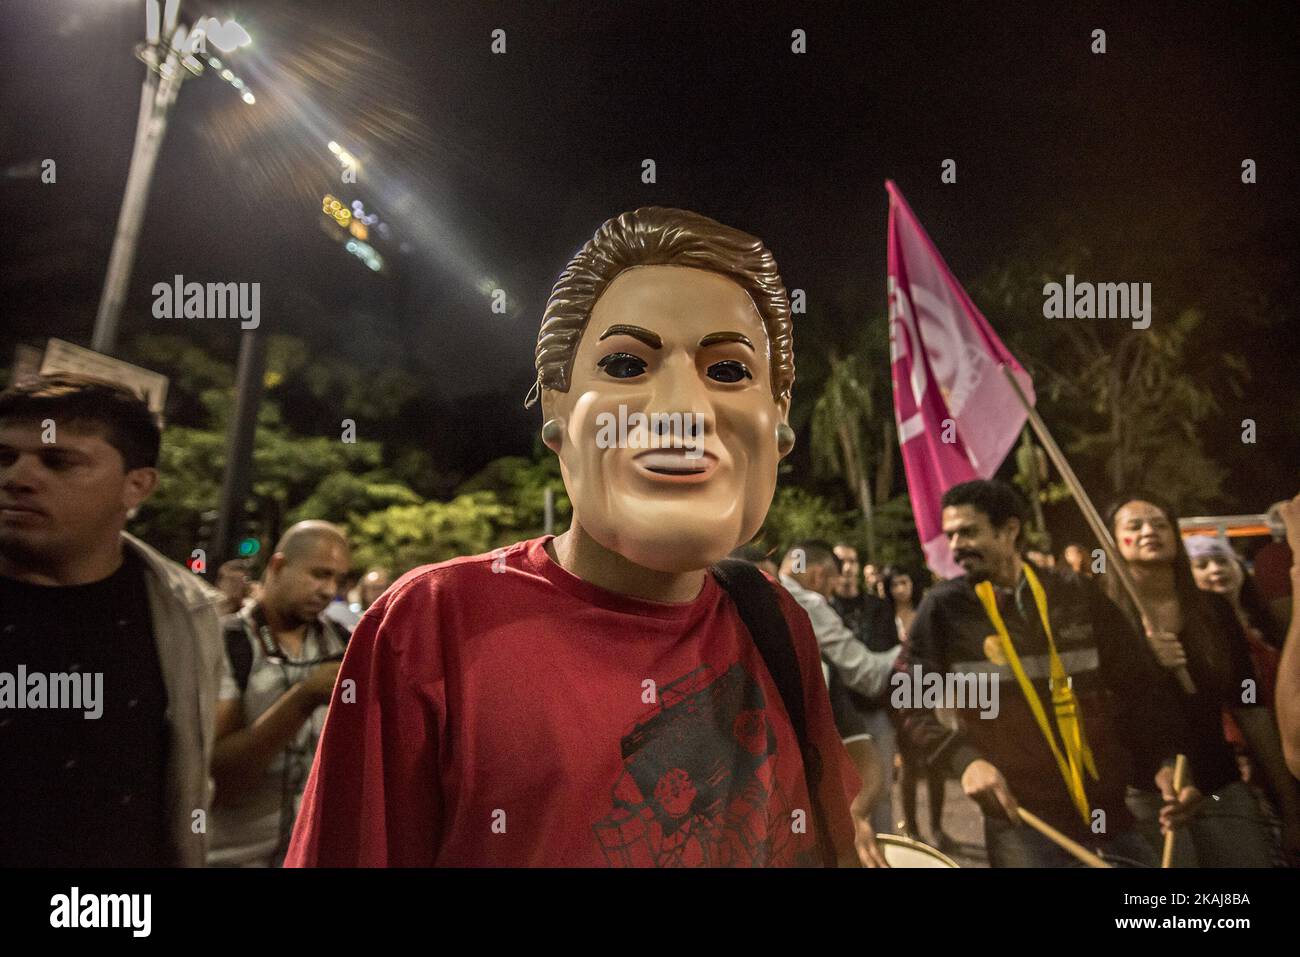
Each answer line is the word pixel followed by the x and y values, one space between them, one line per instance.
pixel 1069 720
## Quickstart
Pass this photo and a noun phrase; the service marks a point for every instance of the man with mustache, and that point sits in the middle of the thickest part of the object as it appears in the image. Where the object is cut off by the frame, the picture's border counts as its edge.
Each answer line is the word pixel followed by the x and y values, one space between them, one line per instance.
pixel 596 698
pixel 1067 737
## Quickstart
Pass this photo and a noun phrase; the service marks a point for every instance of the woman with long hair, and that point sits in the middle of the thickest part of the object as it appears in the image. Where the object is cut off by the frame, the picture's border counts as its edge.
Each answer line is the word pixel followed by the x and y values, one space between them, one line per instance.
pixel 1216 568
pixel 1198 630
pixel 903 593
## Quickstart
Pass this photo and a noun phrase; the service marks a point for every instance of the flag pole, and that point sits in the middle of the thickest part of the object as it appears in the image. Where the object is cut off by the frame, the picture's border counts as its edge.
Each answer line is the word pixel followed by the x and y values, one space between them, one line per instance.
pixel 1090 514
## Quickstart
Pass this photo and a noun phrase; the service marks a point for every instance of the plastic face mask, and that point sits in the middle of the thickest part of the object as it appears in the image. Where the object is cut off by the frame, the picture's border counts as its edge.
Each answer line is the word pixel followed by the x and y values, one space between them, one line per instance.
pixel 669 447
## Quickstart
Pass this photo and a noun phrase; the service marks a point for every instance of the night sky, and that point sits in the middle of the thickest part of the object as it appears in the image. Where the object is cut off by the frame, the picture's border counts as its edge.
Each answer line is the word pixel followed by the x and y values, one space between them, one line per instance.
pixel 494 169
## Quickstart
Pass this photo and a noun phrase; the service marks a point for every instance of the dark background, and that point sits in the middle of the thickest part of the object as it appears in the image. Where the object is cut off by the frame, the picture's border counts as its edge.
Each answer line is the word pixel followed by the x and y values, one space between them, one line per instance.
pixel 493 170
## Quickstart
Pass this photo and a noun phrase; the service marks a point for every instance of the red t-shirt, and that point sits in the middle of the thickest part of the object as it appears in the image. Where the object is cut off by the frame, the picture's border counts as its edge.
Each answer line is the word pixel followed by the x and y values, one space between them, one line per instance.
pixel 504 715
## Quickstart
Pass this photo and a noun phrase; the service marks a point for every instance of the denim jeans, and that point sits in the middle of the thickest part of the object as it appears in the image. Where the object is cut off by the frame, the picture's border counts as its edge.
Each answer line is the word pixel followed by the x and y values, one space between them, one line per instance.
pixel 1229 829
pixel 1009 845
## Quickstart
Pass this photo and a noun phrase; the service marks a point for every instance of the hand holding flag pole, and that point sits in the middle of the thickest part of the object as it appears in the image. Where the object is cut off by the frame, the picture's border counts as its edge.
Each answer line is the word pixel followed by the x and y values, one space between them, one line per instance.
pixel 956 417
pixel 1098 527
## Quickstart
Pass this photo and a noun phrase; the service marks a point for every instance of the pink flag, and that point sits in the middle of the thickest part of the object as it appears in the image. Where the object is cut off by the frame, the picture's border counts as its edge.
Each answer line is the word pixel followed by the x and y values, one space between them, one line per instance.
pixel 957 414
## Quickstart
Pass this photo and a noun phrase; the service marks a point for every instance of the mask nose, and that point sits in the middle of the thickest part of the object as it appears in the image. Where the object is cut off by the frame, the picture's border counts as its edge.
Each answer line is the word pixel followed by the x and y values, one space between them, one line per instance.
pixel 680 407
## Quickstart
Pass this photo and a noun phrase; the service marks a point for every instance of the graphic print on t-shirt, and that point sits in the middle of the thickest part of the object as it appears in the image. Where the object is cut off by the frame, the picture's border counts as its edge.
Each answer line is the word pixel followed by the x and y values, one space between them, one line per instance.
pixel 698 787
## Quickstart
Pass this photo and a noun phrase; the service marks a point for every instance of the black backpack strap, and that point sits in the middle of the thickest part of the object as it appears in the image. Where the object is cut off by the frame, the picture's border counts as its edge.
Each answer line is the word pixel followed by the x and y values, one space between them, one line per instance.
pixel 340 632
pixel 760 610
pixel 239 649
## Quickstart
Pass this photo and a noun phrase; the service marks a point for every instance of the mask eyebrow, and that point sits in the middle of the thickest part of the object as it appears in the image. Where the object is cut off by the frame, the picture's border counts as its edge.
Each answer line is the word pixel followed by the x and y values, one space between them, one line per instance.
pixel 713 338
pixel 636 332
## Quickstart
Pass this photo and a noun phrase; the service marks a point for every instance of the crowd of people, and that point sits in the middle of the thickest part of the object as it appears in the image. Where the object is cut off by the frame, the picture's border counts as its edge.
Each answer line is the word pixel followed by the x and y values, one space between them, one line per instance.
pixel 232 686
pixel 624 693
pixel 1208 615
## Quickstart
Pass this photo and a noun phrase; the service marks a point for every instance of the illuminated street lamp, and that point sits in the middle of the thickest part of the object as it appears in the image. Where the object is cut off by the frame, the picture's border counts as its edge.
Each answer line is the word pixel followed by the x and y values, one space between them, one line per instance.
pixel 171 51
pixel 226 37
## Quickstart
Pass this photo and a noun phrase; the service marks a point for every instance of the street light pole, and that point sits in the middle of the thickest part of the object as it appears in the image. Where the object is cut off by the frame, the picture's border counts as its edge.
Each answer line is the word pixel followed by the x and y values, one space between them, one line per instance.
pixel 170 52
pixel 156 98
pixel 237 479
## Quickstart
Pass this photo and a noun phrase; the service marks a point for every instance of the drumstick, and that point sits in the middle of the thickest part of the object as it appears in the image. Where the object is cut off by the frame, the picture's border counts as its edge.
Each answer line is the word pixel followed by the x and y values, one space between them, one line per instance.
pixel 1056 837
pixel 1180 775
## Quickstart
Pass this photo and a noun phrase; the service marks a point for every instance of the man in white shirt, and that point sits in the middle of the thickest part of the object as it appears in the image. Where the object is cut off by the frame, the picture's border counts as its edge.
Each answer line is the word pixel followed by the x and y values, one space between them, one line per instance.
pixel 282 657
pixel 809 572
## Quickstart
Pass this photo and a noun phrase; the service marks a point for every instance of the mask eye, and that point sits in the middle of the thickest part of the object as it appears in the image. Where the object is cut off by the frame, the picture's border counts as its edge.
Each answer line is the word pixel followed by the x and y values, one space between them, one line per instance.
pixel 729 370
pixel 622 365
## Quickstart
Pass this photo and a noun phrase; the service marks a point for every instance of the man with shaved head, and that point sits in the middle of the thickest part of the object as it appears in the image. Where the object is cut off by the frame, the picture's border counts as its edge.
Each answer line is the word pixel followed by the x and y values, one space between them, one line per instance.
pixel 282 656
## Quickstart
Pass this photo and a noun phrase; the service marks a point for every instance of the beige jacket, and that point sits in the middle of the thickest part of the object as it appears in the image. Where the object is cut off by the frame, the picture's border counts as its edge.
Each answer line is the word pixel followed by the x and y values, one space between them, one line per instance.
pixel 185 612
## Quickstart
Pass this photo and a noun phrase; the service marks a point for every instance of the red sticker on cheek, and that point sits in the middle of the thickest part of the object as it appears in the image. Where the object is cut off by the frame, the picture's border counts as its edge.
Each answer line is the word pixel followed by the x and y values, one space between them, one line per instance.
pixel 1128 541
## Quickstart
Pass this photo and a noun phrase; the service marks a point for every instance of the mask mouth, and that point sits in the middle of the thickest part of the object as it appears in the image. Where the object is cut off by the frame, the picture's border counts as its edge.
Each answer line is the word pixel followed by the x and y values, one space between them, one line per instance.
pixel 676 464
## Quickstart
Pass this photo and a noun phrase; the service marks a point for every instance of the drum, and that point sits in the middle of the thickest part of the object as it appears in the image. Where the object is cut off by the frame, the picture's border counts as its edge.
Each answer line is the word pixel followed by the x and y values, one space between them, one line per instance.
pixel 902 851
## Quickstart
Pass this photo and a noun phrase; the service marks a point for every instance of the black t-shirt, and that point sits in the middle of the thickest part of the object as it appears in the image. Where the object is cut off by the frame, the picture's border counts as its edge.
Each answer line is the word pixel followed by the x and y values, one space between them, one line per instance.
pixel 82 791
pixel 1111 673
pixel 868 617
pixel 1197 720
pixel 872 620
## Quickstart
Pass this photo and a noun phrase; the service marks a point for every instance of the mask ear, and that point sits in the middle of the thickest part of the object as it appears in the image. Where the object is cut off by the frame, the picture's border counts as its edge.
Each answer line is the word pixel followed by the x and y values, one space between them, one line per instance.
pixel 554 411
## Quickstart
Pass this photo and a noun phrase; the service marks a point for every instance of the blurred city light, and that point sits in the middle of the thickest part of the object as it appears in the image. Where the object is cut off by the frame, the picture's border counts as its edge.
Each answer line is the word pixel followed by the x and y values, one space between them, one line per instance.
pixel 345 158
pixel 366 253
pixel 319 96
pixel 226 37
pixel 335 210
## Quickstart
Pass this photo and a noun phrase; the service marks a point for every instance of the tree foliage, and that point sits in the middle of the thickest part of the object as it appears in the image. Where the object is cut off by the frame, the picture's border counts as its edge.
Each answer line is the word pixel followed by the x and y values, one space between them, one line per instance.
pixel 841 435
pixel 404 536
pixel 1128 406
pixel 797 514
